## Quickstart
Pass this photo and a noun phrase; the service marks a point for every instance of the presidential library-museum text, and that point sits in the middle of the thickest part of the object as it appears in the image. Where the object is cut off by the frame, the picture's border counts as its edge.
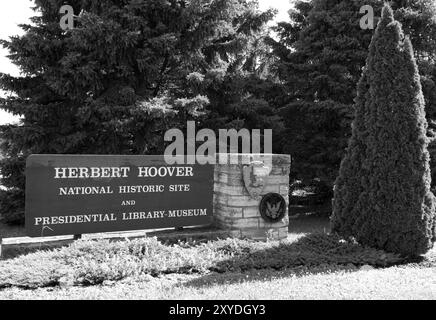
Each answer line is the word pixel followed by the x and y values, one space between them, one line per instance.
pixel 113 217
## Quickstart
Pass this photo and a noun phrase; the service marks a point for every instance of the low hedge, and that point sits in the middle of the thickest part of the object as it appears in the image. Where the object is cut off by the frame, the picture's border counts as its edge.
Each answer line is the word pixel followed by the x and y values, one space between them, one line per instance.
pixel 93 262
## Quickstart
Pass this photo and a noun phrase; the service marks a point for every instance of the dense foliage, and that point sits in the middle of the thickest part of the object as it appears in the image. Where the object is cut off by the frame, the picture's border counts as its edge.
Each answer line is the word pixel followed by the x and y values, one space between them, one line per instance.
pixel 127 72
pixel 382 195
pixel 320 56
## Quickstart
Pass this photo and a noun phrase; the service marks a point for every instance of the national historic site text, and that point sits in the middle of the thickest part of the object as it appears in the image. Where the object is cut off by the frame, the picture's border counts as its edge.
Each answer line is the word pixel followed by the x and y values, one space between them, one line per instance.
pixel 71 191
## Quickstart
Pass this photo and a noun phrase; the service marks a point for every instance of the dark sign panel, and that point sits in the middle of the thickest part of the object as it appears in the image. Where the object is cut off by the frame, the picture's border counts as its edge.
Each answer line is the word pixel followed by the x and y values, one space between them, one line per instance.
pixel 75 194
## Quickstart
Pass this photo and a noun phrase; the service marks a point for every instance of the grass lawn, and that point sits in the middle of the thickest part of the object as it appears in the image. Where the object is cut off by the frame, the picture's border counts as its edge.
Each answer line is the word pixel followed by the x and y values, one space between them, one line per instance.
pixel 402 282
pixel 312 281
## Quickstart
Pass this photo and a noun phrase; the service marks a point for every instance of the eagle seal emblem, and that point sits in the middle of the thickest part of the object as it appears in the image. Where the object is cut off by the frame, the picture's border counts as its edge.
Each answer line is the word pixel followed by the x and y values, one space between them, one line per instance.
pixel 272 207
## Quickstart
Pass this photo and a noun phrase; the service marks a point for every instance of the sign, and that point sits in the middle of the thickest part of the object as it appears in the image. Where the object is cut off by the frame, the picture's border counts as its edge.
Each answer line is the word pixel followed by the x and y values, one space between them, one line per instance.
pixel 272 207
pixel 76 194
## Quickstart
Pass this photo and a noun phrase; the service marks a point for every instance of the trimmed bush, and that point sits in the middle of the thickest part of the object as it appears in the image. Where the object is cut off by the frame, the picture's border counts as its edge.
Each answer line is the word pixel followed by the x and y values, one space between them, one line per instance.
pixel 41 269
pixel 93 262
pixel 382 195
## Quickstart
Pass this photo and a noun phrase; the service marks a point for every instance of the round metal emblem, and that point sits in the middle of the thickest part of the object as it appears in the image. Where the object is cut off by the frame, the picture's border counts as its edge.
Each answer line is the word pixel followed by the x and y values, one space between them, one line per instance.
pixel 272 207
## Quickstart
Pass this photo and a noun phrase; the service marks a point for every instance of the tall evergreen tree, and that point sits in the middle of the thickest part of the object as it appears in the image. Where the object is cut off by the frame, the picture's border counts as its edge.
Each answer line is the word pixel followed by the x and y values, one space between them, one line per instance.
pixel 321 53
pixel 382 195
pixel 118 80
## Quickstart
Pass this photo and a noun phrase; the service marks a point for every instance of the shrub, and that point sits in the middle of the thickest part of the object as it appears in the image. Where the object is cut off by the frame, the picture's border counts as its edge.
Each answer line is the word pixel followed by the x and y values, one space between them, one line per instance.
pixel 382 195
pixel 41 269
pixel 93 262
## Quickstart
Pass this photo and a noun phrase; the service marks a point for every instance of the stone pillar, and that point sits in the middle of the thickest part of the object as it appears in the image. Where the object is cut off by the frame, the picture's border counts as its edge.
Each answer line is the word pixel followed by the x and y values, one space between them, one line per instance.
pixel 237 206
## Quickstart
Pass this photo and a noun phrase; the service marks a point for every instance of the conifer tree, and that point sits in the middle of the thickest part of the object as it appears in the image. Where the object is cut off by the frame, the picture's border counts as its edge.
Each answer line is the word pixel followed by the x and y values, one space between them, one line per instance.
pixel 118 80
pixel 382 195
pixel 321 52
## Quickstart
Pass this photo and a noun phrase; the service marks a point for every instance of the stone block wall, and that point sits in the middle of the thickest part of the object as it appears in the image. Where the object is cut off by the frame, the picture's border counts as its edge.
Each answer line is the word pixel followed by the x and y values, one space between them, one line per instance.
pixel 236 211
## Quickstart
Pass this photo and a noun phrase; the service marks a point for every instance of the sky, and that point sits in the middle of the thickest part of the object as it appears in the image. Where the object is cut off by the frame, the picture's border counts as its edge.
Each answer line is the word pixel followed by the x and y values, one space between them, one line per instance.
pixel 19 11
